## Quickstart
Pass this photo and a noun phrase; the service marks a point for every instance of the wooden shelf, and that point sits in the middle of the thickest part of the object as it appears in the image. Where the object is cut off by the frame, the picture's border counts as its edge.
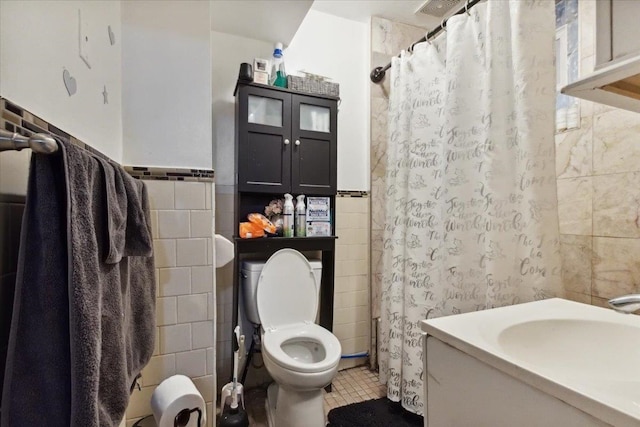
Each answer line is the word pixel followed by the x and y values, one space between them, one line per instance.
pixel 273 244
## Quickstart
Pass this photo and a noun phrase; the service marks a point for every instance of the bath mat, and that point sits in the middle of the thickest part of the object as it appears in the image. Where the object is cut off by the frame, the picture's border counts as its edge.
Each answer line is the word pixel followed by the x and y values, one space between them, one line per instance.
pixel 374 413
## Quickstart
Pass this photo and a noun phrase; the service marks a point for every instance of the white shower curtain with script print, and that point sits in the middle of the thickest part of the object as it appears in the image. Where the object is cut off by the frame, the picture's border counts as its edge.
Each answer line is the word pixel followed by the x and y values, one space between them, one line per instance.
pixel 471 211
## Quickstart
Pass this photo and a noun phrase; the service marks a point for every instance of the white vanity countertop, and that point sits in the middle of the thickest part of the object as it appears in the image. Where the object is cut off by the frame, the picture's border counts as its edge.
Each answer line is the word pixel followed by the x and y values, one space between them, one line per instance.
pixel 586 356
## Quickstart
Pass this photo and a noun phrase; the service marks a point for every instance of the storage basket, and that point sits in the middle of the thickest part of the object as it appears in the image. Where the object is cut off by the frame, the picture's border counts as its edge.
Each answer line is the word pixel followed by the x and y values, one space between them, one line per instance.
pixel 309 85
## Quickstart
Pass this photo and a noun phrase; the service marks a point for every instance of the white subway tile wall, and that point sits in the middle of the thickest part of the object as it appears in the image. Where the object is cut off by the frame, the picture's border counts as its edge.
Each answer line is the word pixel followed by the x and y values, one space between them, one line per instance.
pixel 351 313
pixel 191 252
pixel 182 225
pixel 173 224
pixel 192 363
pixel 192 308
pixel 166 311
pixel 190 195
pixel 173 281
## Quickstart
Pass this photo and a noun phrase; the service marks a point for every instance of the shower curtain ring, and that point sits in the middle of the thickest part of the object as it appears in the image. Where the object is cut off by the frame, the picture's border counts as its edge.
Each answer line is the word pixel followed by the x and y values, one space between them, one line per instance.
pixel 466 7
pixel 443 24
pixel 426 37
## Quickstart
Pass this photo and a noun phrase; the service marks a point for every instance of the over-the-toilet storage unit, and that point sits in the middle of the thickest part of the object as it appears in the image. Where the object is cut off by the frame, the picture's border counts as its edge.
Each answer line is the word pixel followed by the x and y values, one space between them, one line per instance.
pixel 277 152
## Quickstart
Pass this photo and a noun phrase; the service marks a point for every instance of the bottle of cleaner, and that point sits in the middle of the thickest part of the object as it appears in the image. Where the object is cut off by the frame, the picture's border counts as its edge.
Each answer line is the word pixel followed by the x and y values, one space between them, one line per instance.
pixel 301 217
pixel 287 216
pixel 278 75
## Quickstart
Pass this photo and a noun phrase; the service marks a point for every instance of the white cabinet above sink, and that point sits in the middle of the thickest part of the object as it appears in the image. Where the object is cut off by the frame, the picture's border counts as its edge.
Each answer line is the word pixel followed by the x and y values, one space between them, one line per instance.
pixel 616 79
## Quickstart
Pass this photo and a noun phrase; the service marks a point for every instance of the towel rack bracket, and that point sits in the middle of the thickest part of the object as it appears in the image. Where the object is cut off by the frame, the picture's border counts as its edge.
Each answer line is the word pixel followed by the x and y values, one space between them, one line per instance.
pixel 38 142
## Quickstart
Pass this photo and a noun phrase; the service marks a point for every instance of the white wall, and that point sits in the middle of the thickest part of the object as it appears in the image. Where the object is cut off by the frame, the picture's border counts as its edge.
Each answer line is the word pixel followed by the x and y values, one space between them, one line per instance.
pixel 166 62
pixel 324 44
pixel 228 52
pixel 38 40
pixel 339 48
pixel 161 62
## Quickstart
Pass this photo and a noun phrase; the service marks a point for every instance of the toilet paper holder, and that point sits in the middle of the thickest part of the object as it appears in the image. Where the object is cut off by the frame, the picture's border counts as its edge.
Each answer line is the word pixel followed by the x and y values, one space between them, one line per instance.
pixel 181 420
pixel 184 416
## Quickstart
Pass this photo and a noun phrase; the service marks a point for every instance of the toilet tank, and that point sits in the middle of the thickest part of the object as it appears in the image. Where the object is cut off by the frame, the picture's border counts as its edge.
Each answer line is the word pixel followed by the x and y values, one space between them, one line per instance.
pixel 249 275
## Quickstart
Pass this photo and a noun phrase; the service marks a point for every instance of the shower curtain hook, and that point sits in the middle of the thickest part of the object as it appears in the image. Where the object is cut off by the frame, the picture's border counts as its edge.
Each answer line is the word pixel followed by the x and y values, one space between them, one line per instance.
pixel 466 7
pixel 426 37
pixel 443 24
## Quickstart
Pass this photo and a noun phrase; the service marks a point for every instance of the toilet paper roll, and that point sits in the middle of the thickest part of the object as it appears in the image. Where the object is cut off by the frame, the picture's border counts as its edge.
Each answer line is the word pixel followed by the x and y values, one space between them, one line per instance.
pixel 173 395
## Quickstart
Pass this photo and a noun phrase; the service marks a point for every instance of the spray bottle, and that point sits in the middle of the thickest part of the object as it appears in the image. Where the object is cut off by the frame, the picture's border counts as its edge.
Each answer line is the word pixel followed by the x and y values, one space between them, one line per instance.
pixel 301 217
pixel 278 74
pixel 287 216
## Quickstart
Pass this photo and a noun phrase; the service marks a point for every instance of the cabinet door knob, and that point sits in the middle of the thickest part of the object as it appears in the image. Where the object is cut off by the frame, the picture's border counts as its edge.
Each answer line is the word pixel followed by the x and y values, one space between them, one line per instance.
pixel 286 142
pixel 297 142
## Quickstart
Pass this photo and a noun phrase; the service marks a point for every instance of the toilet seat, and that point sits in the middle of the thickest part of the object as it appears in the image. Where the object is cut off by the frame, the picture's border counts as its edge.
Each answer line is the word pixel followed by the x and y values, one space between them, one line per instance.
pixel 287 292
pixel 287 300
pixel 273 340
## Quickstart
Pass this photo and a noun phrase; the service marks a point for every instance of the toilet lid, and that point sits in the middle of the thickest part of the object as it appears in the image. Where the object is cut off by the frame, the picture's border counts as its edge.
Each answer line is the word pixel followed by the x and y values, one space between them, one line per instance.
pixel 287 290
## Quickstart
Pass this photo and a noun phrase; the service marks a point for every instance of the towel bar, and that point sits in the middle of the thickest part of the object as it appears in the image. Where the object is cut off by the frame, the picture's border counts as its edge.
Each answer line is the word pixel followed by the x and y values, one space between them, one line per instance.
pixel 39 142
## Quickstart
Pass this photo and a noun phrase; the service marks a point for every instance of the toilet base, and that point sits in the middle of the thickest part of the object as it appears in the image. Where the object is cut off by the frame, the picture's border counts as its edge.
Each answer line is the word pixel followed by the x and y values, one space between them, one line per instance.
pixel 270 403
pixel 294 408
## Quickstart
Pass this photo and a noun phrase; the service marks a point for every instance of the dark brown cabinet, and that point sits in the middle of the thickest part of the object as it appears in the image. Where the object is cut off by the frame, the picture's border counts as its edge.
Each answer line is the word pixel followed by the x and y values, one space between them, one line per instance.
pixel 285 142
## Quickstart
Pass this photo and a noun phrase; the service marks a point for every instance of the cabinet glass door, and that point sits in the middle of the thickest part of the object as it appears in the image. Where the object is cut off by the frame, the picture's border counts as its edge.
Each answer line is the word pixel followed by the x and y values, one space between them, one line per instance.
pixel 265 111
pixel 264 150
pixel 315 118
pixel 314 156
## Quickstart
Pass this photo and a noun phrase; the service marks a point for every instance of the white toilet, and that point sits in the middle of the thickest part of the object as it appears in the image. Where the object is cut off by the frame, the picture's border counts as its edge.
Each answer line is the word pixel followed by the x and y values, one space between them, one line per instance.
pixel 301 356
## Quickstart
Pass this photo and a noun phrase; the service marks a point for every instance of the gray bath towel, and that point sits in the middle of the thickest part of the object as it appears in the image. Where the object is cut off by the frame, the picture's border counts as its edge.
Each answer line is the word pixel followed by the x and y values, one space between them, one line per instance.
pixel 84 312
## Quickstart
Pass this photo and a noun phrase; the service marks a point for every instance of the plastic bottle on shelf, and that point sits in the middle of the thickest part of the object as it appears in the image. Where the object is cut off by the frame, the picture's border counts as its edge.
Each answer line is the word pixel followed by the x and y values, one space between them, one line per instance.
pixel 278 74
pixel 301 217
pixel 287 216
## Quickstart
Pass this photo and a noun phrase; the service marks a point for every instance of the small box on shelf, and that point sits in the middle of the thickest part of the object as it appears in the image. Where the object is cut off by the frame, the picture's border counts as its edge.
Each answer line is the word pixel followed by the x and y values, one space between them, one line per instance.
pixel 318 216
pixel 318 229
pixel 260 64
pixel 261 77
pixel 261 71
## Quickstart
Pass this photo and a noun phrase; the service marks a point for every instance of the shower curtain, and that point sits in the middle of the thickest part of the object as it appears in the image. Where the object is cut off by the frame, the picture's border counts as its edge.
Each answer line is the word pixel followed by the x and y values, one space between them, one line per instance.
pixel 471 209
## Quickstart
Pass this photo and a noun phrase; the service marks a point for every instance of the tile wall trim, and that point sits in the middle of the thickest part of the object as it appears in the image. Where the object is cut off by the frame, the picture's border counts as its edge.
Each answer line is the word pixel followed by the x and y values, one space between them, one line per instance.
pixel 347 193
pixel 170 174
pixel 14 118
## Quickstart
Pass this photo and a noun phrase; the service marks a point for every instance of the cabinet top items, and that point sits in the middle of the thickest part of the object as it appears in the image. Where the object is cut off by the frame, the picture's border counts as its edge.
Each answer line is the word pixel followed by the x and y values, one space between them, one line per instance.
pixel 280 89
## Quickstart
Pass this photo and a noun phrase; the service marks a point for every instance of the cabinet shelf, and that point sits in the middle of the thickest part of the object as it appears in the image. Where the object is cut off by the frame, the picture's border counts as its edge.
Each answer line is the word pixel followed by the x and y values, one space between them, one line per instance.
pixel 274 244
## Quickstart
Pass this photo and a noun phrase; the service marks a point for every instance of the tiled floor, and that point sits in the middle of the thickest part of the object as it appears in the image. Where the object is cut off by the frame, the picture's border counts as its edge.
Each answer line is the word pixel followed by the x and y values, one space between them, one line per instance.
pixel 350 386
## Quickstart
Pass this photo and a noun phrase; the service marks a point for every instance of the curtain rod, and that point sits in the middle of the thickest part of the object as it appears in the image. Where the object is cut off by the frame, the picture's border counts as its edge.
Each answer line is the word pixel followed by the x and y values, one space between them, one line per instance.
pixel 377 74
pixel 39 142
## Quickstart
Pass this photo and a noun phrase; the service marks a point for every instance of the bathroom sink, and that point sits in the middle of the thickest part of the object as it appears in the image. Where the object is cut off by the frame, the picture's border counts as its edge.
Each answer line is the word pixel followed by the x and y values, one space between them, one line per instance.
pixel 578 348
pixel 584 357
